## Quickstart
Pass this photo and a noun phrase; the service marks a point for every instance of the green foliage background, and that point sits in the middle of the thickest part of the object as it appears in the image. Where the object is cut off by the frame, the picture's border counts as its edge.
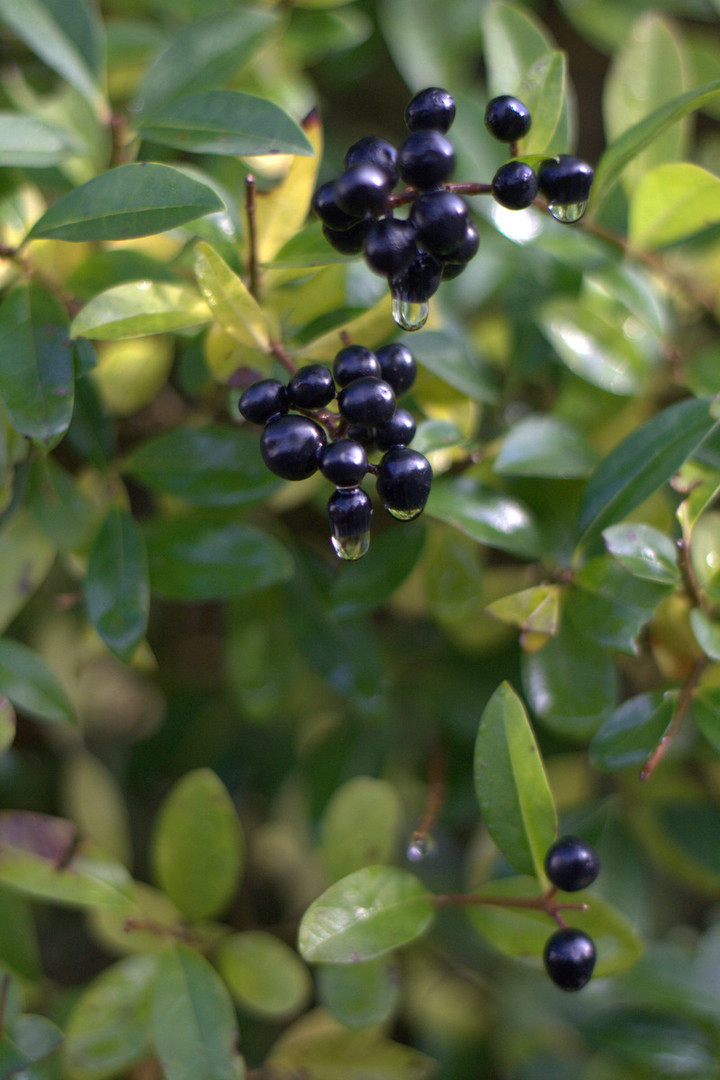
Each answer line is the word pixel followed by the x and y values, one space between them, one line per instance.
pixel 246 789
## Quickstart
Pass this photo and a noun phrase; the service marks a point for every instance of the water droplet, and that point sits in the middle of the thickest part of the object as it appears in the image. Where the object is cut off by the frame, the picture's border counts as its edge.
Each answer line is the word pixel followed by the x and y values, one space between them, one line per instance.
pixel 405 515
pixel 569 214
pixel 420 848
pixel 351 548
pixel 409 316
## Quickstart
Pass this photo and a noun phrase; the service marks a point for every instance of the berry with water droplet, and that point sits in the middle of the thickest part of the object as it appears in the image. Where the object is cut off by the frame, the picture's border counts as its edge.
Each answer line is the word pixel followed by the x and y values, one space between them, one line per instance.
pixel 291 446
pixel 354 362
pixel 344 463
pixel 403 482
pixel 397 367
pixel 507 118
pixel 263 400
pixel 515 185
pixel 565 180
pixel 426 159
pixel 569 957
pixel 571 864
pixel 432 109
pixel 311 387
pixel 367 401
pixel 419 281
pixel 349 511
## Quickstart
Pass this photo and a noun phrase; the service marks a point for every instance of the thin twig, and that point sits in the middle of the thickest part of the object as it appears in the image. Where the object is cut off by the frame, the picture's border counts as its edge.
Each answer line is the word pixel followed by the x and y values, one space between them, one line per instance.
pixel 251 218
pixel 545 902
pixel 682 707
pixel 434 800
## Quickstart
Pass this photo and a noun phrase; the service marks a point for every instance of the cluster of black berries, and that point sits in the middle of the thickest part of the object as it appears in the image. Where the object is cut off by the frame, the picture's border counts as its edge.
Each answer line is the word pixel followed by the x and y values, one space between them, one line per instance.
pixel 569 954
pixel 437 239
pixel 295 444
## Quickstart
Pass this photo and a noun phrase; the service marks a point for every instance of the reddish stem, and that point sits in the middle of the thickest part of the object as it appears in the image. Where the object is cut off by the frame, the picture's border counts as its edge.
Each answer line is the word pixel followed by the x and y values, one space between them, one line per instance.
pixel 682 707
pixel 545 902
pixel 251 218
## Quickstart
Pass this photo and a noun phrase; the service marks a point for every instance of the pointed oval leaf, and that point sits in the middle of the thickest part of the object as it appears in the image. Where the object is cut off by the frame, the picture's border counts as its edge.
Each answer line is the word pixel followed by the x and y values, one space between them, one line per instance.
pixel 282 212
pixel 488 516
pixel 117 590
pixel 360 825
pixel 264 974
pixel 360 995
pixel 672 202
pixel 544 446
pixel 631 733
pixel 36 364
pixel 198 845
pixel 535 610
pixel 193 1019
pixel 644 551
pixel 26 555
pixel 138 308
pixel 513 42
pixel 62 509
pixel 30 685
pixel 544 90
pixel 364 915
pixel 230 301
pixel 126 202
pixel 225 122
pixel 26 142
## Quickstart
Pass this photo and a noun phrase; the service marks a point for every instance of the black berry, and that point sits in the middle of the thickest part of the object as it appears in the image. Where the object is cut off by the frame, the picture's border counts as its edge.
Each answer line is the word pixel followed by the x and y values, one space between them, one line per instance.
pixel 515 185
pixel 354 362
pixel 454 263
pixel 344 462
pixel 426 159
pixel 507 118
pixel 349 511
pixel 571 864
pixel 403 482
pixel 398 431
pixel 367 401
pixel 397 367
pixel 348 241
pixel 421 279
pixel 390 246
pixel 263 400
pixel 291 446
pixel 362 189
pixel 311 387
pixel 373 151
pixel 440 218
pixel 363 434
pixel 432 108
pixel 328 210
pixel 569 957
pixel 565 180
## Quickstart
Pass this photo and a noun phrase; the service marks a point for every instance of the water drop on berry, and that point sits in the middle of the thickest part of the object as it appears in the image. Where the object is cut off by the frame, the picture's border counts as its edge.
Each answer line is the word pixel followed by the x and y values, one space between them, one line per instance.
pixel 420 848
pixel 569 214
pixel 351 548
pixel 409 316
pixel 349 511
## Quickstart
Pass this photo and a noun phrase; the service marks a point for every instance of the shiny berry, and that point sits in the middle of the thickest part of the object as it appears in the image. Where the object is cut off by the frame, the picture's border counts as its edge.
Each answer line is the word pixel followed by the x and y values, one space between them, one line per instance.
pixel 349 511
pixel 565 180
pixel 403 482
pixel 426 159
pixel 374 151
pixel 432 109
pixel 507 118
pixel 328 210
pixel 398 431
pixel 440 218
pixel 348 241
pixel 571 864
pixel 456 261
pixel 263 400
pixel 569 957
pixel 363 434
pixel 367 401
pixel 420 281
pixel 515 185
pixel 397 367
pixel 354 362
pixel 344 462
pixel 311 387
pixel 291 446
pixel 390 246
pixel 363 189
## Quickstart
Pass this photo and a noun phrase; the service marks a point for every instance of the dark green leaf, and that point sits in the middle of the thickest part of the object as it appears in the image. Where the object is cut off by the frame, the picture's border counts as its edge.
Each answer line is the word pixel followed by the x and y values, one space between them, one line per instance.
pixel 19 947
pixel 31 143
pixel 308 248
pixel 360 825
pixel 365 585
pixel 29 1041
pixel 449 357
pixel 485 515
pixel 128 201
pixel 60 507
pixel 30 684
pixel 651 1038
pixel 8 727
pixel 36 364
pixel 544 446
pixel 265 976
pixel 26 555
pixel 360 995
pixel 117 591
pixel 630 735
pixel 706 711
pixel 92 431
pixel 644 551
pixel 611 605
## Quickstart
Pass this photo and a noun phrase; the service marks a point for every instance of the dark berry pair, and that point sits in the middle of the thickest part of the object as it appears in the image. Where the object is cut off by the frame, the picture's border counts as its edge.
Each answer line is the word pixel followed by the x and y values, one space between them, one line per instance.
pixel 569 954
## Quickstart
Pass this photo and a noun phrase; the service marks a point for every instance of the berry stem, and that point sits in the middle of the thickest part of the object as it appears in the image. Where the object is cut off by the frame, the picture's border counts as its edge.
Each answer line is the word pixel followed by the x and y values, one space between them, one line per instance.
pixel 251 218
pixel 682 707
pixel 434 799
pixel 545 902
pixel 280 353
pixel 411 194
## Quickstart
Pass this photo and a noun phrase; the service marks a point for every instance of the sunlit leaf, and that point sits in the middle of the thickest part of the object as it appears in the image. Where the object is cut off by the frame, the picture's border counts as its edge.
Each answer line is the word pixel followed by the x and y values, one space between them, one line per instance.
pixel 138 308
pixel 644 551
pixel 544 446
pixel 535 610
pixel 265 976
pixel 281 212
pixel 486 515
pixel 672 202
pixel 230 301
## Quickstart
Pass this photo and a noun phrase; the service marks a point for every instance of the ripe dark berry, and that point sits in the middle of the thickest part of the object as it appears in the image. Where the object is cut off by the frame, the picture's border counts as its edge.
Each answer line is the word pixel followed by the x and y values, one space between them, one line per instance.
pixel 398 431
pixel 426 159
pixel 291 446
pixel 344 462
pixel 363 434
pixel 354 362
pixel 362 189
pixel 373 151
pixel 349 511
pixel 421 279
pixel 454 263
pixel 565 180
pixel 367 401
pixel 328 210
pixel 403 482
pixel 348 241
pixel 440 218
pixel 507 118
pixel 569 957
pixel 515 185
pixel 432 108
pixel 390 246
pixel 263 400
pixel 311 387
pixel 571 864
pixel 397 367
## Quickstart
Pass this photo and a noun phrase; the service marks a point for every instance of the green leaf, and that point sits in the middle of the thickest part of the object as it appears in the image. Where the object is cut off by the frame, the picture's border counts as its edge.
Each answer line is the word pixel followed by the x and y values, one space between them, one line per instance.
pixel 126 202
pixel 535 610
pixel 706 711
pixel 29 1041
pixel 308 248
pixel 364 915
pixel 19 947
pixel 60 507
pixel 513 43
pixel 198 845
pixel 359 995
pixel 66 35
pixel 212 465
pixel 448 356
pixel 30 684
pixel 491 518
pixel 193 1020
pixel 232 304
pixel 522 932
pixel 644 461
pixel 630 735
pixel 225 122
pixel 8 725
pixel 544 90
pixel 26 142
pixel 644 551
pixel 672 202
pixel 203 54
pixel 92 431
pixel 138 308
pixel 707 633
pixel 640 135
pixel 26 556
pixel 264 975
pixel 511 785
pixel 192 558
pixel 544 446
pixel 107 1031
pixel 36 364
pixel 611 605
pixel 117 591
pixel 360 826
pixel 364 585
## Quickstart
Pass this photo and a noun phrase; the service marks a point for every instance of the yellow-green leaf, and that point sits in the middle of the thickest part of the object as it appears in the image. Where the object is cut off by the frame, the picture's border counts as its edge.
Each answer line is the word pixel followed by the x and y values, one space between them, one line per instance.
pixel 535 610
pixel 671 202
pixel 139 308
pixel 232 304
pixel 281 213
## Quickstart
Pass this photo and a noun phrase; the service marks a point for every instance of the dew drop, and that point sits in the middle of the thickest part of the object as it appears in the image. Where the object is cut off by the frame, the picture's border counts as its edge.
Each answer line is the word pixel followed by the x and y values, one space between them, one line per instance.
pixel 419 848
pixel 351 548
pixel 405 515
pixel 569 214
pixel 409 316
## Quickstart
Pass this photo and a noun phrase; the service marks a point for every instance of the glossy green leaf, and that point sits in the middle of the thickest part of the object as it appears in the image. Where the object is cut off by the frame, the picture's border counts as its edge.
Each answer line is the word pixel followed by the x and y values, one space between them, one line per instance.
pixel 126 202
pixel 232 304
pixel 641 134
pixel 60 507
pixel 36 364
pixel 19 947
pixel 26 142
pixel 198 845
pixel 193 1020
pixel 364 585
pixel 707 633
pixel 544 446
pixel 360 826
pixel 448 356
pixel 225 122
pixel 138 308
pixel 30 685
pixel 522 932
pixel 535 610
pixel 488 516
pixel 107 1031
pixel 672 202
pixel 647 1038
pixel 264 975
pixel 308 248
pixel 631 733
pixel 544 90
pixel 359 995
pixel 92 431
pixel 29 1040
pixel 26 555
pixel 202 54
pixel 644 461
pixel 514 41
pixel 644 551
pixel 511 785
pixel 117 591
pixel 611 605
pixel 193 558
pixel 364 915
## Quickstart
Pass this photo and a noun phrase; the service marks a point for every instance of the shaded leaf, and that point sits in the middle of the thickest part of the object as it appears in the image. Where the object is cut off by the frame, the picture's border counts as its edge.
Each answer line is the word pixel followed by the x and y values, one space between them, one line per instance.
pixel 448 356
pixel 364 585
pixel 26 142
pixel 137 308
pixel 30 685
pixel 230 301
pixel 61 508
pixel 707 633
pixel 611 605
pixel 360 825
pixel 26 555
pixel 360 995
pixel 307 248
pixel 29 1041
pixel 8 725
pixel 117 591
pixel 644 551
pixel 632 732
pixel 544 446
pixel 264 975
pixel 19 947
pixel 488 516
